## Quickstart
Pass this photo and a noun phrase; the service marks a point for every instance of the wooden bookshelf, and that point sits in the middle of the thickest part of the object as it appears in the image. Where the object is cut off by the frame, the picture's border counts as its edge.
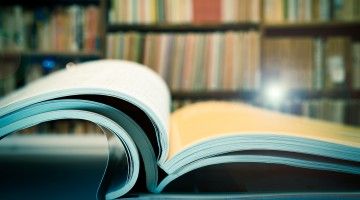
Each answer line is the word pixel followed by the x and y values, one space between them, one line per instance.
pixel 266 30
pixel 49 6
pixel 26 57
pixel 351 28
pixel 29 32
pixel 168 28
pixel 251 95
pixel 313 29
pixel 41 54
pixel 218 95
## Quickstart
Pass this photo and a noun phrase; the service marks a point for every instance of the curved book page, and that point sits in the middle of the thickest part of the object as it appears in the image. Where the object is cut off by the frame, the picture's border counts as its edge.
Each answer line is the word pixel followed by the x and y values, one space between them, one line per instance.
pixel 100 81
pixel 212 120
pixel 131 89
pixel 206 133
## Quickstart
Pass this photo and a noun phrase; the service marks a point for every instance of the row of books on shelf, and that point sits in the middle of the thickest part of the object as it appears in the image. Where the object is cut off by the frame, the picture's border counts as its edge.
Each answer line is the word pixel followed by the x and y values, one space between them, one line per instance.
pixel 62 28
pixel 13 75
pixel 339 111
pixel 333 110
pixel 183 11
pixel 279 11
pixel 194 61
pixel 224 61
pixel 312 63
pixel 63 127
pixel 231 60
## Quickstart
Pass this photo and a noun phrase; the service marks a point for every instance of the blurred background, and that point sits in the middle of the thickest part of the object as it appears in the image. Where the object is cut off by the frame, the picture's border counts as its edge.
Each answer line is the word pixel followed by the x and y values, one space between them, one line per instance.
pixel 296 56
pixel 300 57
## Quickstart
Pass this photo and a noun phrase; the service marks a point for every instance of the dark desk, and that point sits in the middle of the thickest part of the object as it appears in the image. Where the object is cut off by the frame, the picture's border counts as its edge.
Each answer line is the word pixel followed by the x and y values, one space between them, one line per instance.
pixel 70 167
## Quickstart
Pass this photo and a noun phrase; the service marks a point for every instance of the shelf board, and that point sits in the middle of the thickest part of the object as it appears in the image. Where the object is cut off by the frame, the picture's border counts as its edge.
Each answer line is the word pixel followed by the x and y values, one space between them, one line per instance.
pixel 313 29
pixel 41 54
pixel 220 95
pixel 181 27
pixel 251 95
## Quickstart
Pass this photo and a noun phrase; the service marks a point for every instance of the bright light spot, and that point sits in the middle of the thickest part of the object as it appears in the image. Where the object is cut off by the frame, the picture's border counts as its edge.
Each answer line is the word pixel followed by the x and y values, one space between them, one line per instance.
pixel 48 64
pixel 275 93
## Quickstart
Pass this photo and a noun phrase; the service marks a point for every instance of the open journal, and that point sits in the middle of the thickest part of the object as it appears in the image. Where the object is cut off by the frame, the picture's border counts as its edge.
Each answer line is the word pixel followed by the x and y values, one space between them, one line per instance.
pixel 131 104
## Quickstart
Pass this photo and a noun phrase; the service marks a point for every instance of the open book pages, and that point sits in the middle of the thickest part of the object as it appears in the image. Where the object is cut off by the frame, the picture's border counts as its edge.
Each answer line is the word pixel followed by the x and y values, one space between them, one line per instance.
pixel 131 104
pixel 106 93
pixel 212 120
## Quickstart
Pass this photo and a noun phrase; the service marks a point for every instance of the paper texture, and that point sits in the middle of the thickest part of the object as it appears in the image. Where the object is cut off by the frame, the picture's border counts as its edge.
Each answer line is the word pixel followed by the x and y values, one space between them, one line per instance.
pixel 125 80
pixel 204 121
pixel 129 78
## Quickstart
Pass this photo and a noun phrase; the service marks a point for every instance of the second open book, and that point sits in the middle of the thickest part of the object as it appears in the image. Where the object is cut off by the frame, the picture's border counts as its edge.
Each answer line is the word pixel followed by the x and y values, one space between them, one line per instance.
pixel 131 104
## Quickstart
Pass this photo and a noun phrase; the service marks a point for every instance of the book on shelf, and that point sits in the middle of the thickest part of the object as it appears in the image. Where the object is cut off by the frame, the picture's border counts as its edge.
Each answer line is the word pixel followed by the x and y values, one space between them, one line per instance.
pixel 194 61
pixel 311 63
pixel 131 103
pixel 342 111
pixel 9 66
pixel 63 28
pixel 288 61
pixel 355 79
pixel 183 11
pixel 299 11
pixel 337 62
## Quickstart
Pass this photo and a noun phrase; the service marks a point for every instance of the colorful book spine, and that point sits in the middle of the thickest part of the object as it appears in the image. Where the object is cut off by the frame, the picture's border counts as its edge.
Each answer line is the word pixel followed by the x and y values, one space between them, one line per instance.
pixel 60 29
pixel 295 11
pixel 183 11
pixel 307 63
pixel 194 61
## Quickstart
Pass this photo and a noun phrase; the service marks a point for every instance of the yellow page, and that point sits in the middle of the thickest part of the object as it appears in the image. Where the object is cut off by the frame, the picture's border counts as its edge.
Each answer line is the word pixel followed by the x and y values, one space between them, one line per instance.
pixel 202 121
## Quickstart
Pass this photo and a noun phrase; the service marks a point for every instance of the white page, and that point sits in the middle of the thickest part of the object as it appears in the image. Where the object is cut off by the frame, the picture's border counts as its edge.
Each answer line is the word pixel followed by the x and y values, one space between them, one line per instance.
pixel 126 80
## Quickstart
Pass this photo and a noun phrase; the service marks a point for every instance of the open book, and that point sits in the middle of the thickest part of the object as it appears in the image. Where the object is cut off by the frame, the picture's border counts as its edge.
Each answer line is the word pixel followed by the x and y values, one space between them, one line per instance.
pixel 131 104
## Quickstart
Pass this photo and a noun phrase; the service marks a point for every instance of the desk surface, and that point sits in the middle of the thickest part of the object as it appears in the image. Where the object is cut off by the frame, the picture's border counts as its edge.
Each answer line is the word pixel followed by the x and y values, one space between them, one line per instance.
pixel 49 167
pixel 266 196
pixel 75 174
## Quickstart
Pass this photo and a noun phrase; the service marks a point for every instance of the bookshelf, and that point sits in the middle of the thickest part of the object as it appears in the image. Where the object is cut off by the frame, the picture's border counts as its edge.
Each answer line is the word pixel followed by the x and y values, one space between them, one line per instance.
pixel 51 33
pixel 322 28
pixel 314 29
pixel 45 28
pixel 333 23
pixel 252 95
pixel 182 28
pixel 265 29
pixel 41 54
pixel 56 27
pixel 216 95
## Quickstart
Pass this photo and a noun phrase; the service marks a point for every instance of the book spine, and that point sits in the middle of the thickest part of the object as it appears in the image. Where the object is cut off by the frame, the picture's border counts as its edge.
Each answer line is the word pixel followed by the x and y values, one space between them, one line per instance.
pixel 292 10
pixel 318 64
pixel 65 28
pixel 308 10
pixel 19 32
pixel 184 11
pixel 356 66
